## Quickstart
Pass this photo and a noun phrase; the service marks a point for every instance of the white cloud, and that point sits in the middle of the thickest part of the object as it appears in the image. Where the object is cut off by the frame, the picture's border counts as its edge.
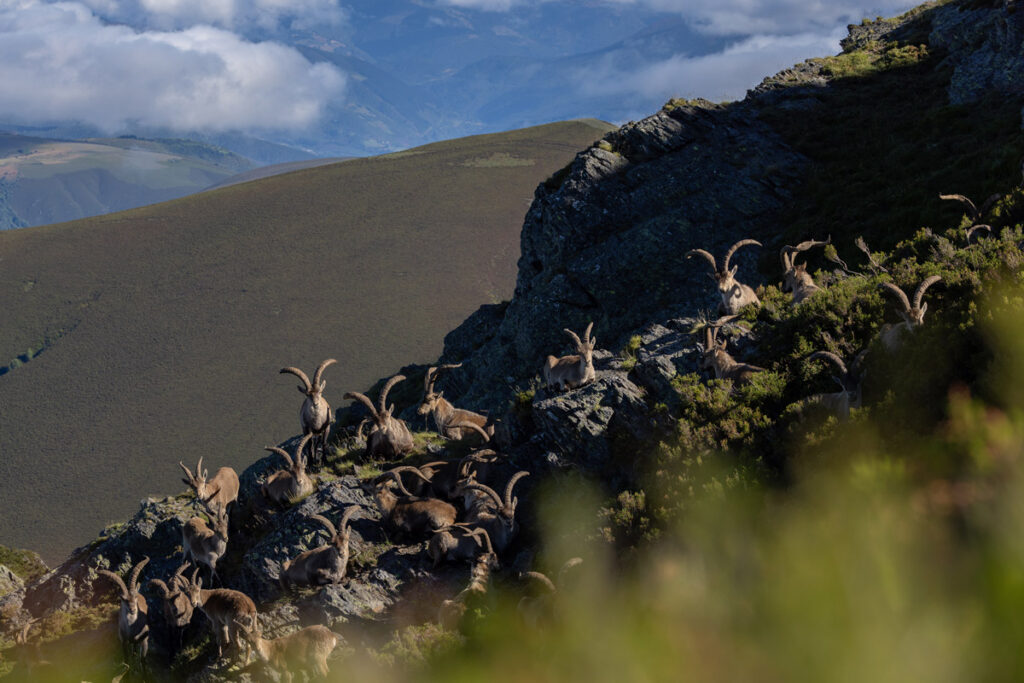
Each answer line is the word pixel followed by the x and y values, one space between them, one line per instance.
pixel 487 5
pixel 721 76
pixel 60 62
pixel 238 15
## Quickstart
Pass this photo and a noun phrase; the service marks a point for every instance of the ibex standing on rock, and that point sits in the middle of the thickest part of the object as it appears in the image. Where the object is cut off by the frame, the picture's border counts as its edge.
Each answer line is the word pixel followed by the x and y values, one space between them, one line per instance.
pixel 447 417
pixel 389 436
pixel 735 295
pixel 217 493
pixel 913 316
pixel 572 372
pixel 225 608
pixel 795 277
pixel 716 358
pixel 204 544
pixel 315 414
pixel 133 620
pixel 323 565
pixel 177 606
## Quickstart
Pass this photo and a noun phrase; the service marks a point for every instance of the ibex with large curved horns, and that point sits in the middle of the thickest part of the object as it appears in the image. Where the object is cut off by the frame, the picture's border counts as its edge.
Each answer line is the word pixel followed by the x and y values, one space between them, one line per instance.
pixel 849 380
pixel 407 513
pixel 735 295
pixel 501 524
pixel 457 543
pixel 913 316
pixel 795 277
pixel 217 493
pixel 177 606
pixel 448 418
pixel 315 414
pixel 572 371
pixel 323 565
pixel 389 436
pixel 716 358
pixel 287 485
pixel 133 619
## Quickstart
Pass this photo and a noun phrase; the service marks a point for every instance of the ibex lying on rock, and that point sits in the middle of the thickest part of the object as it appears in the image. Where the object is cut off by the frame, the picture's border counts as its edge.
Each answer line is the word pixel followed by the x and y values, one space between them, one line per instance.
pixel 501 524
pixel 389 436
pixel 177 606
pixel 716 358
pixel 573 371
pixel 133 619
pixel 217 493
pixel 325 564
pixel 840 402
pixel 795 277
pixel 225 608
pixel 735 295
pixel 288 485
pixel 306 649
pixel 451 611
pixel 451 422
pixel 539 610
pixel 458 543
pixel 407 513
pixel 913 316
pixel 316 415
pixel 203 544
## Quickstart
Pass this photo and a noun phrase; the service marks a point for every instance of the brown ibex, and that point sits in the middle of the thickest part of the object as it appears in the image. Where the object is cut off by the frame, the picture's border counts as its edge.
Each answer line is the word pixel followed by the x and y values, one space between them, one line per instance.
pixel 325 564
pixel 204 544
pixel 306 649
pixel 225 608
pixel 451 611
pixel 407 513
pixel 849 380
pixel 541 609
pixel 133 619
pixel 316 415
pixel 451 422
pixel 572 371
pixel 913 316
pixel 217 493
pixel 177 606
pixel 288 485
pixel 735 295
pixel 457 543
pixel 389 436
pixel 500 524
pixel 716 358
pixel 795 277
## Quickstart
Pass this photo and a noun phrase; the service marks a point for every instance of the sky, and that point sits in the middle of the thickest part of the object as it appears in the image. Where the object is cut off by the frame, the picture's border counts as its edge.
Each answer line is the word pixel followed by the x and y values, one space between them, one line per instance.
pixel 217 65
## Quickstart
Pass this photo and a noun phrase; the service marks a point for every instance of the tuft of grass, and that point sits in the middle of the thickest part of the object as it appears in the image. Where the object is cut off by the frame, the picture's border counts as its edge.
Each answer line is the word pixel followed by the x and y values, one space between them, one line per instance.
pixel 25 564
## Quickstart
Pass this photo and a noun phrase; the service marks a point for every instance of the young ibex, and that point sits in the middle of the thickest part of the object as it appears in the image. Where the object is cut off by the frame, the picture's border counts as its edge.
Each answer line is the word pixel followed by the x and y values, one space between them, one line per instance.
pixel 572 371
pixel 849 380
pixel 735 295
pixel 203 544
pixel 316 415
pixel 501 524
pixel 306 649
pixel 795 277
pixel 451 611
pixel 217 493
pixel 285 486
pixel 539 610
pixel 407 513
pixel 716 358
pixel 133 620
pixel 448 419
pixel 225 608
pixel 389 436
pixel 913 316
pixel 177 606
pixel 325 564
pixel 457 543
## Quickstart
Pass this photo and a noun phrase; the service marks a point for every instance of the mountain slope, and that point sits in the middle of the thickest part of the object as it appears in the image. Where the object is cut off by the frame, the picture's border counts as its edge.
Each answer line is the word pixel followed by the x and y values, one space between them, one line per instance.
pixel 156 334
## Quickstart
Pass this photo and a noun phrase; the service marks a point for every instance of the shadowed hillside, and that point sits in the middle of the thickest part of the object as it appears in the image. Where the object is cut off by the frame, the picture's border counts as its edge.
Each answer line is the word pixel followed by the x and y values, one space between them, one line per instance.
pixel 156 334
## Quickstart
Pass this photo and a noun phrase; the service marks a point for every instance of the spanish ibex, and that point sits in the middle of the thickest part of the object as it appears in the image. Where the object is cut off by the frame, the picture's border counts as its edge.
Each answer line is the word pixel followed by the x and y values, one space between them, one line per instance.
pixel 133 619
pixel 407 513
pixel 203 544
pixel 316 415
pixel 716 358
pixel 389 436
pixel 306 649
pixel 457 543
pixel 449 420
pixel 795 277
pixel 225 608
pixel 444 475
pixel 572 371
pixel 287 485
pixel 325 564
pixel 540 609
pixel 451 611
pixel 177 606
pixel 913 316
pixel 735 295
pixel 500 524
pixel 849 380
pixel 217 493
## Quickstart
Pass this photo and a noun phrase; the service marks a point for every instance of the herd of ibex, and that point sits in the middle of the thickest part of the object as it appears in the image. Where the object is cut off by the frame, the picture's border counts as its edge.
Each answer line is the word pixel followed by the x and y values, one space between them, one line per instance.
pixel 451 506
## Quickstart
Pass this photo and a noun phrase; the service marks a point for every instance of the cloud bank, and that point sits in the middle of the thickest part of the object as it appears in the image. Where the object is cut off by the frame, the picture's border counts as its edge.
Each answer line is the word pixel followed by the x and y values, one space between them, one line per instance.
pixel 60 62
pixel 235 15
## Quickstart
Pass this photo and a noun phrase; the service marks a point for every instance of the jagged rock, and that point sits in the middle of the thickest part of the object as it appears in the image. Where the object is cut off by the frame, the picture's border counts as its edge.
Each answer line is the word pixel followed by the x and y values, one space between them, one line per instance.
pixel 9 581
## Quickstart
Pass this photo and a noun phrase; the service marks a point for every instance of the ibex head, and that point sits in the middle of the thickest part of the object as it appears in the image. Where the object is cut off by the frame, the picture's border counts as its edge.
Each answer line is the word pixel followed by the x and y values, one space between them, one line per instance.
pixel 130 590
pixel 431 397
pixel 913 316
pixel 795 274
pixel 315 389
pixel 724 277
pixel 584 347
pixel 199 481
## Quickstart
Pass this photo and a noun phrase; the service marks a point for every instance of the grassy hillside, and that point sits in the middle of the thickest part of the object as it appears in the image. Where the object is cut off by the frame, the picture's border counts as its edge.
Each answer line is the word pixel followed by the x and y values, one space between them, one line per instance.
pixel 46 181
pixel 156 334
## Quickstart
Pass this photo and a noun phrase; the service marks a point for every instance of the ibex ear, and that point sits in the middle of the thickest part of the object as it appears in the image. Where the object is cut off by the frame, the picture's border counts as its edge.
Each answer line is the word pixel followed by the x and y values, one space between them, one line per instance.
pixel 732 271
pixel 323 385
pixel 440 394
pixel 924 308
